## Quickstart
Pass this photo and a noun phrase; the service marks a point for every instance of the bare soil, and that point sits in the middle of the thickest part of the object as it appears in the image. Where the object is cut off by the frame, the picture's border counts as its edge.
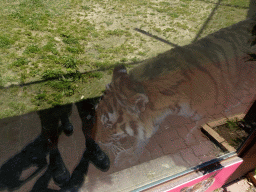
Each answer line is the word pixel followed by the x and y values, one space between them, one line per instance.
pixel 234 135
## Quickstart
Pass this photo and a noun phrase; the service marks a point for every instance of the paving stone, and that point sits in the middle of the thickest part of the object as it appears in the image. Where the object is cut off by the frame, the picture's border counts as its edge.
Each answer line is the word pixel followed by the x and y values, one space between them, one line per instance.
pixel 205 158
pixel 248 99
pixel 191 126
pixel 145 156
pixel 240 186
pixel 216 110
pixel 241 108
pixel 201 122
pixel 94 173
pixel 182 131
pixel 154 149
pixel 177 158
pixel 200 137
pixel 174 146
pixel 176 121
pixel 162 138
pixel 171 132
pixel 102 184
pixel 190 140
pixel 189 157
pixel 201 149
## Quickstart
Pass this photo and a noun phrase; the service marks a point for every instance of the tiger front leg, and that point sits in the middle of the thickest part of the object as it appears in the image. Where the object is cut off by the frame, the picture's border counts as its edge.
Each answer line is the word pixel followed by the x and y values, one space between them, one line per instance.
pixel 130 156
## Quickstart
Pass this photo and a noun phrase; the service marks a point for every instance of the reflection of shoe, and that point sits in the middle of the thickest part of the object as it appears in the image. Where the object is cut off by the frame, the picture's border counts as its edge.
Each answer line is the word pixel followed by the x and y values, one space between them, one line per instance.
pixel 67 129
pixel 78 174
pixel 97 156
pixel 66 126
pixel 59 171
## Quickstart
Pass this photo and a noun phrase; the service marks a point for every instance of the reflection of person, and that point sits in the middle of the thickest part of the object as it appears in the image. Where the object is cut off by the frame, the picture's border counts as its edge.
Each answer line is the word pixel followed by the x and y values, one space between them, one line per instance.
pixel 93 153
pixel 47 142
pixel 51 130
pixel 35 153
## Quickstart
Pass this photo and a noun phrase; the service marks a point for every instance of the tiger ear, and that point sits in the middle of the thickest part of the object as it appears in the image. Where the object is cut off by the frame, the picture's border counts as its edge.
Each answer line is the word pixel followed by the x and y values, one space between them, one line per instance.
pixel 130 92
pixel 119 71
pixel 123 81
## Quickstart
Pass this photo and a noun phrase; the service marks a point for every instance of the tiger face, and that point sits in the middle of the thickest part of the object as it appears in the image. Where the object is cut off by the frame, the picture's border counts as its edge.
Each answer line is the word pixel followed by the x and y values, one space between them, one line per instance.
pixel 119 111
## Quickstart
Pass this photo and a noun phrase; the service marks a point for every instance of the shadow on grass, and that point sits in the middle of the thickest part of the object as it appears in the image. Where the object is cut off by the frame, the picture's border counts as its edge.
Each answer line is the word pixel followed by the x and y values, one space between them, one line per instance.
pixel 227 5
pixel 66 76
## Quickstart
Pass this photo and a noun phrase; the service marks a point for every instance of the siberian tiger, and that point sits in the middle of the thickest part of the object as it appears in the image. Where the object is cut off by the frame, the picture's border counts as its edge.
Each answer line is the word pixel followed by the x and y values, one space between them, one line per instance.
pixel 186 81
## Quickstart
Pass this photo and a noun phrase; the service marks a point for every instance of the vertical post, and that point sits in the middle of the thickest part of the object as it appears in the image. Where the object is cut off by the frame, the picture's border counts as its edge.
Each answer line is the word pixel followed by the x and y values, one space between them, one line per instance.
pixel 252 9
pixel 249 126
pixel 248 150
pixel 251 114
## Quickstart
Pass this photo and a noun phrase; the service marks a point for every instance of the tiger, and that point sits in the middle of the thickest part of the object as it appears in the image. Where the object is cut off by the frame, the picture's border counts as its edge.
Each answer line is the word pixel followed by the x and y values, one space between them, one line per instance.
pixel 185 81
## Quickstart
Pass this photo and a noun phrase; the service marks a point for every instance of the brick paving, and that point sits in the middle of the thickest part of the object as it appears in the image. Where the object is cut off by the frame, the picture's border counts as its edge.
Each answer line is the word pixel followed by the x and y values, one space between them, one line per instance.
pixel 241 185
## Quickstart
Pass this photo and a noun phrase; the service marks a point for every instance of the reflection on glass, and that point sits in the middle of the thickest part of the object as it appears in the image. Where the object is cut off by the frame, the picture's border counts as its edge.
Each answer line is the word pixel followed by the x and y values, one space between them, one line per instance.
pixel 146 128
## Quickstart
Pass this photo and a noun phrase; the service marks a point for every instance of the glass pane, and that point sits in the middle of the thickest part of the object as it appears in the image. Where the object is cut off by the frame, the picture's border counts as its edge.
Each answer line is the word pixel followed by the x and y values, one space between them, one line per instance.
pixel 147 127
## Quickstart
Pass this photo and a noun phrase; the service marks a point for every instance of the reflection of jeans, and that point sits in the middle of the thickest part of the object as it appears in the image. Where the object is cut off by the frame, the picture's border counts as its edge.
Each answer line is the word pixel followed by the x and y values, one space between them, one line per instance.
pixel 87 114
pixel 50 121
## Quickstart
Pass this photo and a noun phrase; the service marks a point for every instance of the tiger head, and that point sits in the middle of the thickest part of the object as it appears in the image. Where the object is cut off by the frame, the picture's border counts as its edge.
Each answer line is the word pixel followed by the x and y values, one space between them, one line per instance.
pixel 119 110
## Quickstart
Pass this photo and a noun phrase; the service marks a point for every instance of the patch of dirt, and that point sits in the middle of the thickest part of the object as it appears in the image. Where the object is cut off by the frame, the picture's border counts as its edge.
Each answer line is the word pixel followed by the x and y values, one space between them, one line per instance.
pixel 232 133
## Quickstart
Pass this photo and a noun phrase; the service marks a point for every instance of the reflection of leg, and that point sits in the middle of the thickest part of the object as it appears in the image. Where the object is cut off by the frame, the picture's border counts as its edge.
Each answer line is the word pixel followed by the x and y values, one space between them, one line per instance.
pixel 66 126
pixel 59 171
pixel 78 174
pixel 51 132
pixel 96 155
pixel 42 183
pixel 93 151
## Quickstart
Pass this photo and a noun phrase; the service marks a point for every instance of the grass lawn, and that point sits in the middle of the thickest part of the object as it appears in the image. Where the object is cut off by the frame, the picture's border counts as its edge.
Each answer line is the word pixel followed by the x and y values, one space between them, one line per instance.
pixel 57 52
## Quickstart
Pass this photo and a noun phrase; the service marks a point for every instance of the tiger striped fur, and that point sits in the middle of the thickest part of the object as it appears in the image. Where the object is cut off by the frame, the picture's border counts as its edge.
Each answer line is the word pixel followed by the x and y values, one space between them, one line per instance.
pixel 178 82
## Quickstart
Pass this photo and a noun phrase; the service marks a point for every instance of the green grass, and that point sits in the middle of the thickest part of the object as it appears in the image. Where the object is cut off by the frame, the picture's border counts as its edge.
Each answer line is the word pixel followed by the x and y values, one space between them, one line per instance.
pixel 5 42
pixel 233 124
pixel 20 62
pixel 55 42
